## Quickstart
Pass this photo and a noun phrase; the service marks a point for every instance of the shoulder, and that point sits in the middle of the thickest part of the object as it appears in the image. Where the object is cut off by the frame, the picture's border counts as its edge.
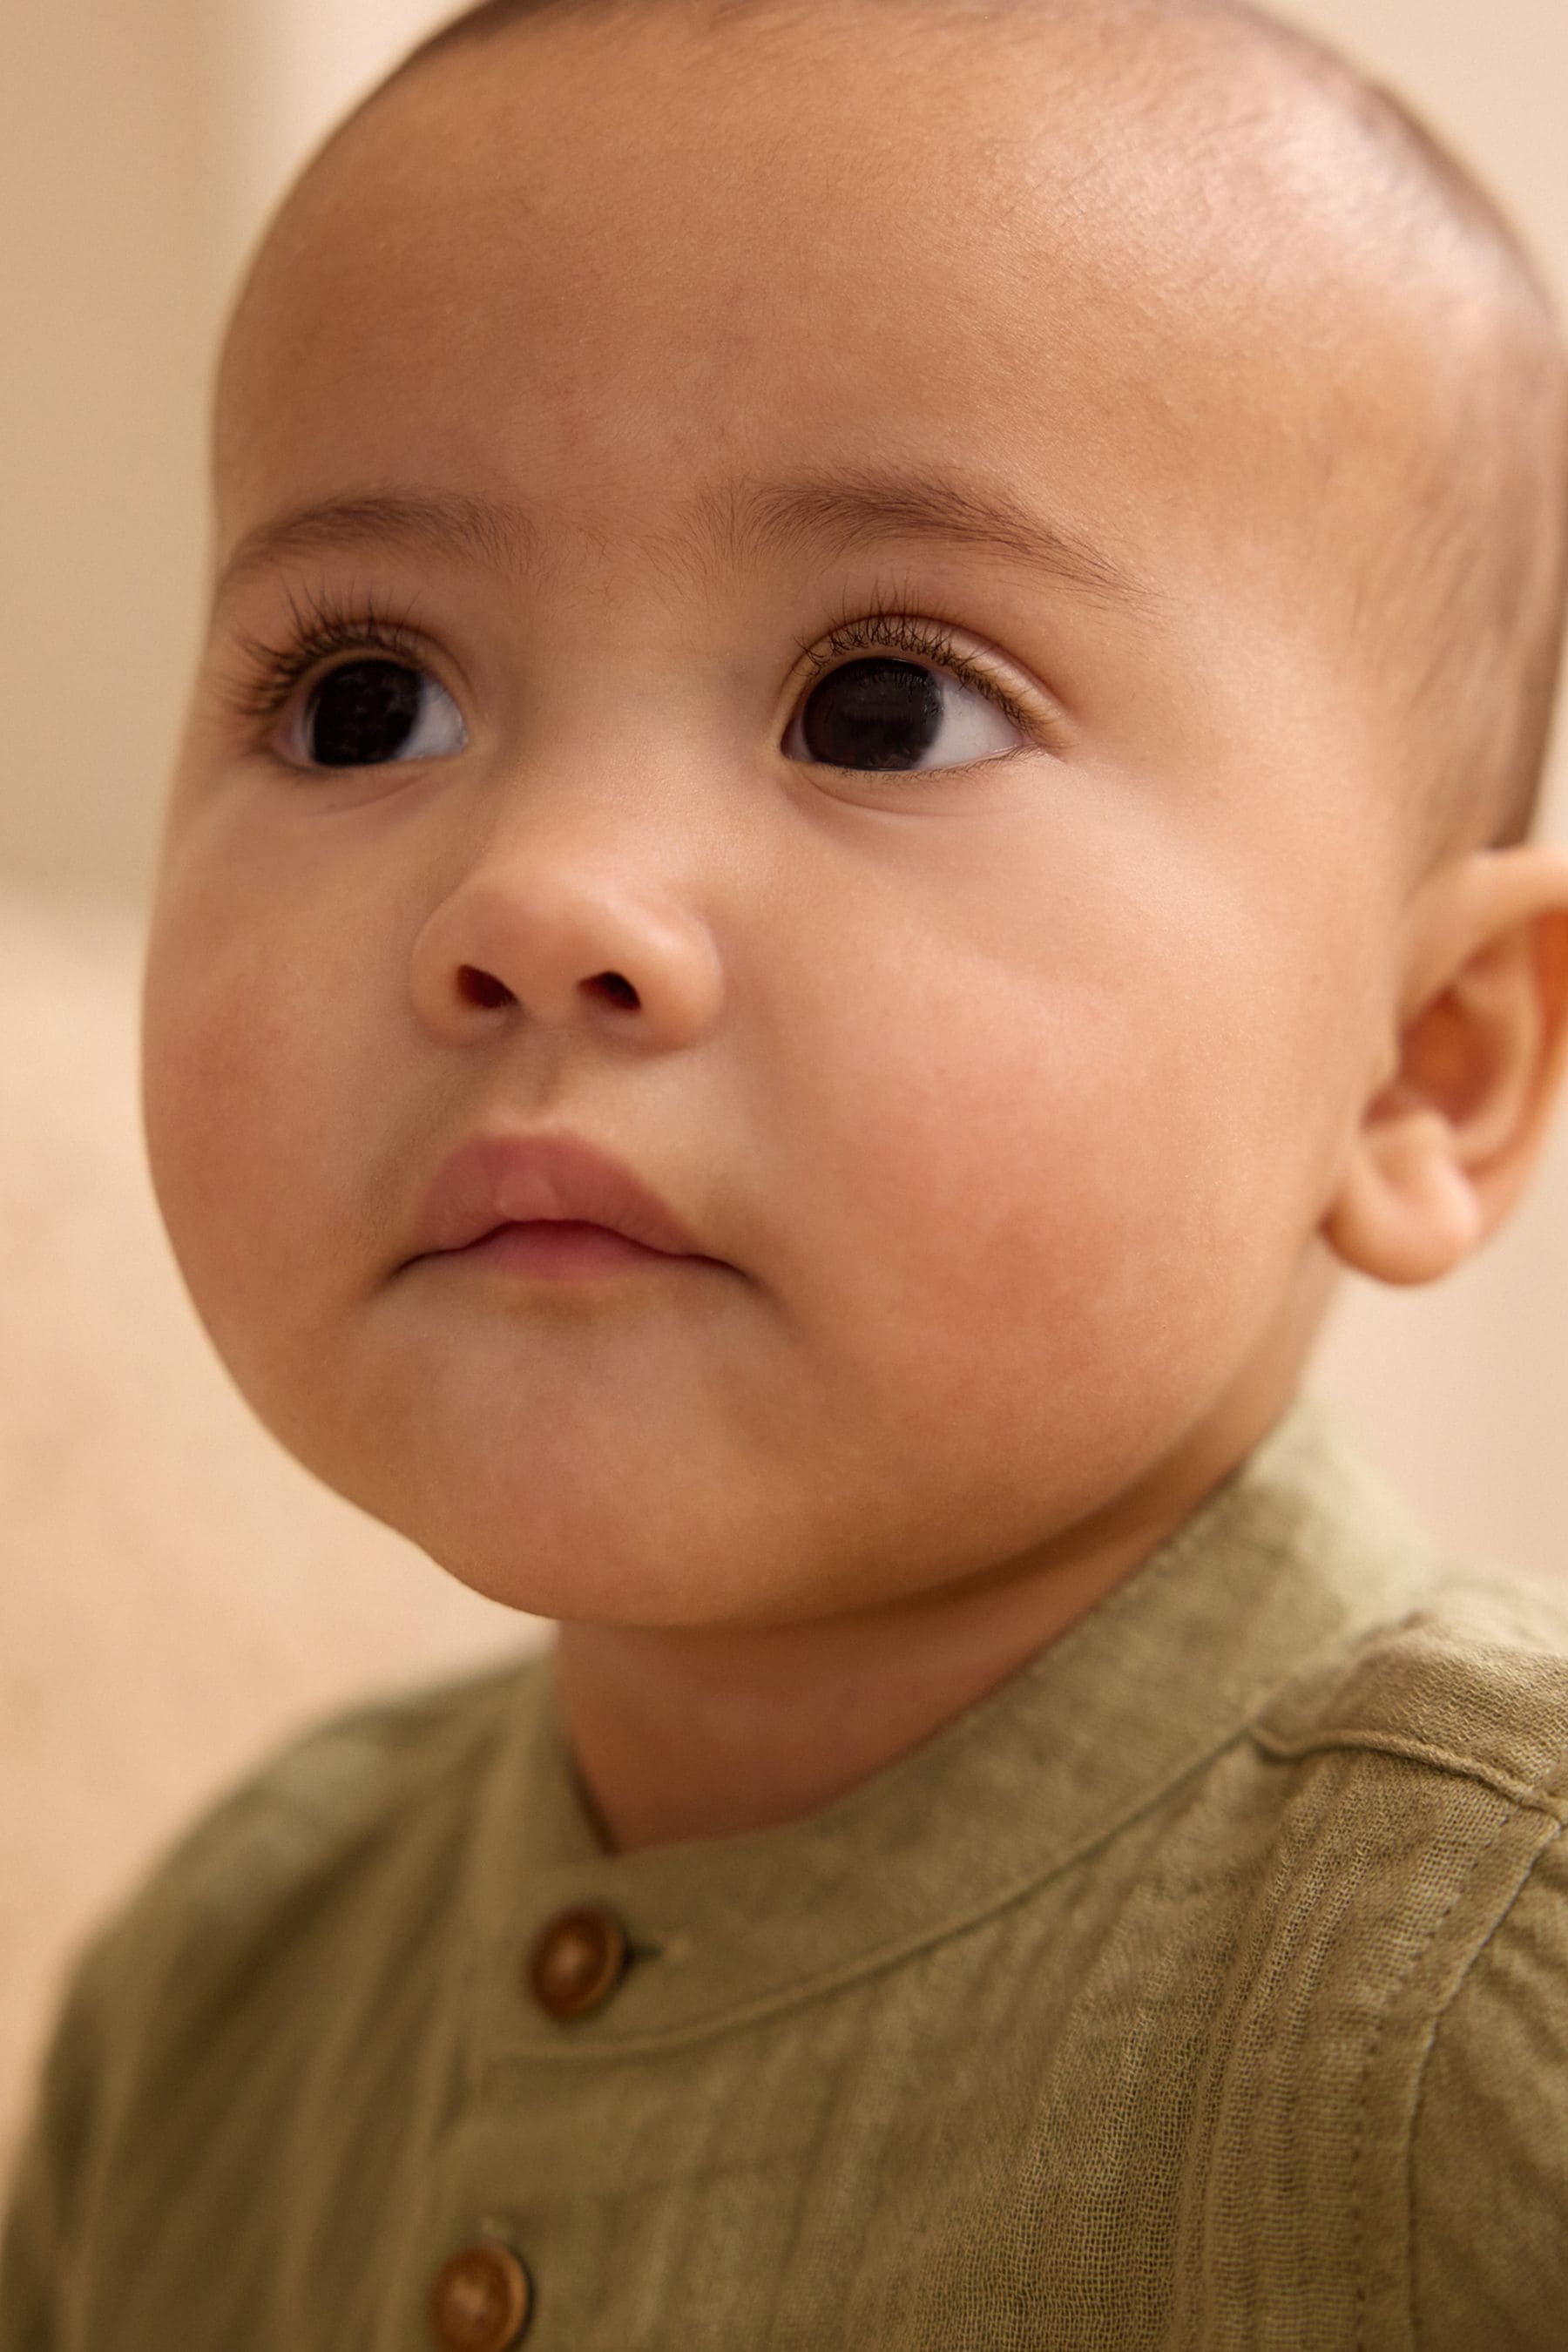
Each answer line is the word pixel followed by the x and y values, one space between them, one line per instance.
pixel 1488 2150
pixel 338 1788
pixel 367 1807
pixel 1426 1777
pixel 1471 1683
pixel 1431 1760
pixel 198 2012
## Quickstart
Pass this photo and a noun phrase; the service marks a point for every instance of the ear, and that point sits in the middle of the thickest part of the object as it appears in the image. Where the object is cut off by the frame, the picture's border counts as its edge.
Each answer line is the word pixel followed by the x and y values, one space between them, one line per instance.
pixel 1444 1146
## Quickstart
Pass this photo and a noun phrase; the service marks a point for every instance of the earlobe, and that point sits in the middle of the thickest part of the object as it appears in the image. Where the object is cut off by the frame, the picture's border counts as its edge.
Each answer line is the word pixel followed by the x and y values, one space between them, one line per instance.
pixel 1407 1211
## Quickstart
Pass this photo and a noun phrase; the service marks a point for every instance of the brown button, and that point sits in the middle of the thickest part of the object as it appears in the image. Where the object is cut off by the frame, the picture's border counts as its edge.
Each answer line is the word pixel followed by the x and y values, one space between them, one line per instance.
pixel 480 2301
pixel 579 1959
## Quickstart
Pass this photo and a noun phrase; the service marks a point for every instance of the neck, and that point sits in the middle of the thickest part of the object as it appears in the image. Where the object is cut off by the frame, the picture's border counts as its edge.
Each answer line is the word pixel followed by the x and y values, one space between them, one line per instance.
pixel 685 1732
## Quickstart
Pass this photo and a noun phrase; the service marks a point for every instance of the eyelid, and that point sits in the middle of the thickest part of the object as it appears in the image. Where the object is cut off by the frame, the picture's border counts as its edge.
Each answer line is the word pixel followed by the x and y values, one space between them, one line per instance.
pixel 899 626
pixel 325 630
pixel 331 626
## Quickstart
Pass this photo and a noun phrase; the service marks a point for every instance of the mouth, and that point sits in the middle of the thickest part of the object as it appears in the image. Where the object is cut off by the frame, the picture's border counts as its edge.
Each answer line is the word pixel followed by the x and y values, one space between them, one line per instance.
pixel 553 1206
pixel 562 1249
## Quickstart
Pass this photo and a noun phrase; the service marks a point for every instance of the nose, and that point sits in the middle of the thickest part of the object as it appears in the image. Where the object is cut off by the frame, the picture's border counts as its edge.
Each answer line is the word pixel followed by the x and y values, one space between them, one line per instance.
pixel 558 930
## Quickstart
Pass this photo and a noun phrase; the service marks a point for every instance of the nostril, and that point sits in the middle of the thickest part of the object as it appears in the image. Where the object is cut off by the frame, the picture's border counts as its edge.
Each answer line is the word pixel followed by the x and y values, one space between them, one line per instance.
pixel 482 987
pixel 618 991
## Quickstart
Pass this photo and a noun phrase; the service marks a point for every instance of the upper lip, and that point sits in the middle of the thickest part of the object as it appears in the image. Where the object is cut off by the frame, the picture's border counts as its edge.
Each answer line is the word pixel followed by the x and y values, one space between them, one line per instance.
pixel 499 1179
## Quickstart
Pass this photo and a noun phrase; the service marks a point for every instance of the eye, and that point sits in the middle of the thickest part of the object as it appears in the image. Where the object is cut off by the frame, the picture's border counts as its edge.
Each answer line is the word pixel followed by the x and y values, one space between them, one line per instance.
pixel 880 712
pixel 367 713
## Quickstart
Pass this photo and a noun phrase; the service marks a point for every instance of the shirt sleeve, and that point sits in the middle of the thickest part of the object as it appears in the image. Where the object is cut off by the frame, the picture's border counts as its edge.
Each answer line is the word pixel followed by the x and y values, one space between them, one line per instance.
pixel 49 2185
pixel 1489 2150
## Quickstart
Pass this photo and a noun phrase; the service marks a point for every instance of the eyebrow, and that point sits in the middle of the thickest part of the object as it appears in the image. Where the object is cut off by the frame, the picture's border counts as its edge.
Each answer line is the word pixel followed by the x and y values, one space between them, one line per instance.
pixel 845 509
pixel 834 510
pixel 421 521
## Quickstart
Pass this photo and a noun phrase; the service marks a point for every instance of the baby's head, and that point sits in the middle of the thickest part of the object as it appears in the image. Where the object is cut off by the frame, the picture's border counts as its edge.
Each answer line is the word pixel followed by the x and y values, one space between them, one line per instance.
pixel 935 625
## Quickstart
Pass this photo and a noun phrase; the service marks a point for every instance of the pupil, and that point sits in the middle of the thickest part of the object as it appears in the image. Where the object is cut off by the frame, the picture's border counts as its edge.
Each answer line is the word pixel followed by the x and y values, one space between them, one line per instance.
pixel 873 714
pixel 363 713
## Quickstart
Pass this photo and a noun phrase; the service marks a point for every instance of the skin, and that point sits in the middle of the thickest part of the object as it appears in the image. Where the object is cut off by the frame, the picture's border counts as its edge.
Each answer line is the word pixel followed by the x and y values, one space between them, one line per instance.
pixel 1032 1104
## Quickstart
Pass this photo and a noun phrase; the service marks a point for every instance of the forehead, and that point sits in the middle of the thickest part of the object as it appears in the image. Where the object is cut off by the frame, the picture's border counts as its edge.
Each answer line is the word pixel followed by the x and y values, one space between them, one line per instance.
pixel 606 266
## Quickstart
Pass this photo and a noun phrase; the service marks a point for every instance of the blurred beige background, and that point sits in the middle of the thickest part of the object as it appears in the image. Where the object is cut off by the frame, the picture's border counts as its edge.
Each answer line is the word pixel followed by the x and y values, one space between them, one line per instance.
pixel 175 1591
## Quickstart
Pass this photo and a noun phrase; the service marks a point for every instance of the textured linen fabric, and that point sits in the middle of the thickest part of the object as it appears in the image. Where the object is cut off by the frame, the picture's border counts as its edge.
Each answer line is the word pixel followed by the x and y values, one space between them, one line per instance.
pixel 1203 1985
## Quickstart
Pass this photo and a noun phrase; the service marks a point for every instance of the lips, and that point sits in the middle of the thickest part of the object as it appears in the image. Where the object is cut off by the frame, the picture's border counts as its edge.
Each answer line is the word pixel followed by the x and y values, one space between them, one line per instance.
pixel 499 1179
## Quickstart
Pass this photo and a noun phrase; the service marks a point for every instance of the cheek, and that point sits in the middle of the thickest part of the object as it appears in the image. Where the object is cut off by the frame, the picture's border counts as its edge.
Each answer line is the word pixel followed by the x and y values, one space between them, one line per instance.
pixel 1053 1205
pixel 235 1095
pixel 1056 1171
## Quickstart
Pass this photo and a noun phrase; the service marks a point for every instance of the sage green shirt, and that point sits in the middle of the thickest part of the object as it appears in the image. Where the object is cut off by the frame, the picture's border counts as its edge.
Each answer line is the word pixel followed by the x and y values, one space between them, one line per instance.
pixel 1204 1985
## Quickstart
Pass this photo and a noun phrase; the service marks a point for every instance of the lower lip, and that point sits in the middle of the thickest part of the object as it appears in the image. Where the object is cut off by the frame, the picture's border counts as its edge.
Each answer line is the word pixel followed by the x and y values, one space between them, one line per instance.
pixel 562 1249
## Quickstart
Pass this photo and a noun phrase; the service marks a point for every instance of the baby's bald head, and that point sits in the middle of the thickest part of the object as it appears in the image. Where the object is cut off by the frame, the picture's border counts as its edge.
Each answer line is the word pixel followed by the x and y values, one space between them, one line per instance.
pixel 867 597
pixel 1464 578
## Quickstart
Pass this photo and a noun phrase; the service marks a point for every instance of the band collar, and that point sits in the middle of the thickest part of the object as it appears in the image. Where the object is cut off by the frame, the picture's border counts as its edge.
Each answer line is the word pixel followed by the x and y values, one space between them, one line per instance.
pixel 1302 1545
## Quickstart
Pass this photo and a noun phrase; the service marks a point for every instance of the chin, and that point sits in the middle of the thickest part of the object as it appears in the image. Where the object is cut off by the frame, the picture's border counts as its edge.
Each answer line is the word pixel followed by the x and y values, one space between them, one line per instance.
pixel 557 1548
pixel 570 1592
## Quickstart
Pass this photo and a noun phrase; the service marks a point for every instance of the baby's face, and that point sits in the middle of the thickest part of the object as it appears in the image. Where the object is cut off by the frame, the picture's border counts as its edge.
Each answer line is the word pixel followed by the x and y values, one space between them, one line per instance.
pixel 844 549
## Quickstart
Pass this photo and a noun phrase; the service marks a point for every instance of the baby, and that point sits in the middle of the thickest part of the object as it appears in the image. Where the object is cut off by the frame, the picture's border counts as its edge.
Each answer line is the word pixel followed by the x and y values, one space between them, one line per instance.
pixel 859 808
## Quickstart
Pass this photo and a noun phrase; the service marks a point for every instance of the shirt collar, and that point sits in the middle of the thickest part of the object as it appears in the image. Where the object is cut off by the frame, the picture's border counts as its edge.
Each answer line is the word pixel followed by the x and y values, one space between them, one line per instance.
pixel 1301 1547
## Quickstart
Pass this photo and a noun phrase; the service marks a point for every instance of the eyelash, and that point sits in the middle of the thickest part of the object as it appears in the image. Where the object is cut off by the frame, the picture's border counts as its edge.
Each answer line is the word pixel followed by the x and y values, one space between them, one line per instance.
pixel 324 627
pixel 894 627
